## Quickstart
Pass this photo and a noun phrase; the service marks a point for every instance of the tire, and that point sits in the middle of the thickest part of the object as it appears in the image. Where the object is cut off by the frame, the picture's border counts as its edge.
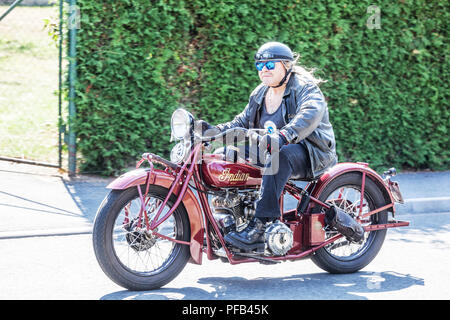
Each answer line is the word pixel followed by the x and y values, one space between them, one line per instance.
pixel 115 251
pixel 364 252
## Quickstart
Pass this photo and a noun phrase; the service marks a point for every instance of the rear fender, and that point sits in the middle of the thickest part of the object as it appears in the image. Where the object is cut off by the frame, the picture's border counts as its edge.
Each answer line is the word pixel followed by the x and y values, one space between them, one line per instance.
pixel 193 209
pixel 346 167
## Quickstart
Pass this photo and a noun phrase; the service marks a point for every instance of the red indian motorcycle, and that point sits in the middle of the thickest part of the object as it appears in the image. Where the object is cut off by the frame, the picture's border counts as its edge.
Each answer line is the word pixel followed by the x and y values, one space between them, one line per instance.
pixel 152 223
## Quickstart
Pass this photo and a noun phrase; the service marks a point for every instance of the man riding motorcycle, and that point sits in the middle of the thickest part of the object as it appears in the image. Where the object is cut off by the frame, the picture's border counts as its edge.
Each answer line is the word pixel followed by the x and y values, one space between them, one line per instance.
pixel 304 143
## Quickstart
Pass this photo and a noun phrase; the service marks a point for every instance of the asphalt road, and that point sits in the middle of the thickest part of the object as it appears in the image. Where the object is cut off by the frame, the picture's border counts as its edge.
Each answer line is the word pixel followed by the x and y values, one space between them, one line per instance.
pixel 413 264
pixel 46 254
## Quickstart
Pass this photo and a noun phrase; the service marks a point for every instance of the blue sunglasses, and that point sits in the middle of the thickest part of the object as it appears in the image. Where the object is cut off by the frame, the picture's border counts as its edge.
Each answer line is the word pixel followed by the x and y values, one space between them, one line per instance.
pixel 270 65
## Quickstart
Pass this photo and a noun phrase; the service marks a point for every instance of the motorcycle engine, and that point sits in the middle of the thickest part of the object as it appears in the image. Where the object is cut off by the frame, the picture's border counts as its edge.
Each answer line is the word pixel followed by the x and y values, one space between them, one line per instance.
pixel 234 210
pixel 279 238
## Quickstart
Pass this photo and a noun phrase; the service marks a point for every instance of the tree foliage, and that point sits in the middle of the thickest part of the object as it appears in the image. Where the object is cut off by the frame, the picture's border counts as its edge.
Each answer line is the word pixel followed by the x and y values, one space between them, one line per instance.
pixel 387 87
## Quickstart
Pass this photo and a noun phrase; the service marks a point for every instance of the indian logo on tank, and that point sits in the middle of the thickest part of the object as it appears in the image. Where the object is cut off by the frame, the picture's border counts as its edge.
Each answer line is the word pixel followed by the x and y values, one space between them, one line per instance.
pixel 226 175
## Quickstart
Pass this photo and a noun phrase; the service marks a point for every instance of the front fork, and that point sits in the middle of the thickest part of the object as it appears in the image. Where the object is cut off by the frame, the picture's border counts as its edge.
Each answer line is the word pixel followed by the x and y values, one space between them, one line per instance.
pixel 179 186
pixel 182 179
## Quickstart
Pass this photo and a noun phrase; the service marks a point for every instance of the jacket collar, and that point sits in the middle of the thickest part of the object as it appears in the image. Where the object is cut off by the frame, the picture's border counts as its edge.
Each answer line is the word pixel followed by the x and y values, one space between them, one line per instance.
pixel 262 92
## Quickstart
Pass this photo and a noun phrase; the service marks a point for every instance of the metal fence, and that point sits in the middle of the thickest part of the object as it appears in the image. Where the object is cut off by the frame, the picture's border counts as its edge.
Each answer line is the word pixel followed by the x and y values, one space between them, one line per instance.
pixel 36 37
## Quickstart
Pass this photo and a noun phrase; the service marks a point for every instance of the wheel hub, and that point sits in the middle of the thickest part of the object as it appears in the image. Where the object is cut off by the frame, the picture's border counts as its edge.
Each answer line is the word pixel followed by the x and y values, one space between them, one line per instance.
pixel 138 238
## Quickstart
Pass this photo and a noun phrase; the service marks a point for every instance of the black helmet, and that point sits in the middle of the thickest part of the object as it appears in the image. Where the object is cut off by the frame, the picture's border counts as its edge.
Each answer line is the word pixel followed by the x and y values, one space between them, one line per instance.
pixel 274 51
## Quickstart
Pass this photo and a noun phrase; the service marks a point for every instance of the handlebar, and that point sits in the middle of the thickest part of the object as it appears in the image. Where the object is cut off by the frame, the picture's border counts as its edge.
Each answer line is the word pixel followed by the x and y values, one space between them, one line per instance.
pixel 269 127
pixel 234 131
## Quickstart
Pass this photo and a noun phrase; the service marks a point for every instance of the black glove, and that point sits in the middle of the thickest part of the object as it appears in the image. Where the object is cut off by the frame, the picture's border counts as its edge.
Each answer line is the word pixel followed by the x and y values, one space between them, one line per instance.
pixel 272 142
pixel 205 126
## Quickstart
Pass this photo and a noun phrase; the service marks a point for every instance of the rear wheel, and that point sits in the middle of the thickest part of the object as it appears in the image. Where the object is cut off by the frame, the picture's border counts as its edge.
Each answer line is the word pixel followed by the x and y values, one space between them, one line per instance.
pixel 130 254
pixel 343 256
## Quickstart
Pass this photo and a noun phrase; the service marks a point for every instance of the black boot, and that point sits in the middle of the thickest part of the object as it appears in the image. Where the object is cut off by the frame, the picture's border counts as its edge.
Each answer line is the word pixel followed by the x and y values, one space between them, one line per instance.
pixel 252 237
pixel 344 223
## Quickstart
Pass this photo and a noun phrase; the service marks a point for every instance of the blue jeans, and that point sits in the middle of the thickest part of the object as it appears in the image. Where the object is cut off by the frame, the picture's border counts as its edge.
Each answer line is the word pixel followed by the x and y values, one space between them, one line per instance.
pixel 293 160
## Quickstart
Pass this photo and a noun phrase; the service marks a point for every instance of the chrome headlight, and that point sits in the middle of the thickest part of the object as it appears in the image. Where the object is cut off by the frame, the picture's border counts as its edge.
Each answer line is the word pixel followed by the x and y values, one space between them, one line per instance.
pixel 181 123
pixel 180 152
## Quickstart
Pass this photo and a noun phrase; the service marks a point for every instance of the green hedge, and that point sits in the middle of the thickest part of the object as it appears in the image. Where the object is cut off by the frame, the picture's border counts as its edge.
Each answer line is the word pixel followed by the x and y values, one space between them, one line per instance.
pixel 138 60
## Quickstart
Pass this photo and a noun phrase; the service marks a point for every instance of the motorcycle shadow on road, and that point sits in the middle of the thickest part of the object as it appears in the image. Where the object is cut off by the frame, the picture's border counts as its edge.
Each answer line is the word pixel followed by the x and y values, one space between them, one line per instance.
pixel 87 193
pixel 314 286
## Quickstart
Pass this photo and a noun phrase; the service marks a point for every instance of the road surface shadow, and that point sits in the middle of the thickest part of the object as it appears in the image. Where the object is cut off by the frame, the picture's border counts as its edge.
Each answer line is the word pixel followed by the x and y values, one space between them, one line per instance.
pixel 312 286
pixel 87 193
pixel 49 208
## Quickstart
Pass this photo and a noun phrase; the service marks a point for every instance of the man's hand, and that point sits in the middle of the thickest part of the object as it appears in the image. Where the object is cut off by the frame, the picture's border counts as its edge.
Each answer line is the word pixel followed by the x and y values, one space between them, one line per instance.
pixel 272 142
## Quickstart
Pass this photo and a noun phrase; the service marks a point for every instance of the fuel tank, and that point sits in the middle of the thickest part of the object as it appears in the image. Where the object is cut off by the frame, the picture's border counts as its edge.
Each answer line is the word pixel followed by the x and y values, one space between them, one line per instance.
pixel 225 174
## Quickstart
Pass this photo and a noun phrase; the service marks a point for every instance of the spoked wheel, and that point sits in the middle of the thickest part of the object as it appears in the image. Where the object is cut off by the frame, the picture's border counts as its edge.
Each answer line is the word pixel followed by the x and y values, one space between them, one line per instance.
pixel 131 254
pixel 343 256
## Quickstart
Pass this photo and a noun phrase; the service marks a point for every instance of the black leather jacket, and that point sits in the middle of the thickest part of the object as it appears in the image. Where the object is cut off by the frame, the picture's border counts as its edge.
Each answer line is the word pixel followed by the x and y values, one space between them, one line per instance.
pixel 306 120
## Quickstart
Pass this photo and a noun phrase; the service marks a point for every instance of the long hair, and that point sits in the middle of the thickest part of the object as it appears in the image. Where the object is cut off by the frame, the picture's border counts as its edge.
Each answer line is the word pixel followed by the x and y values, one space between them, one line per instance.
pixel 307 74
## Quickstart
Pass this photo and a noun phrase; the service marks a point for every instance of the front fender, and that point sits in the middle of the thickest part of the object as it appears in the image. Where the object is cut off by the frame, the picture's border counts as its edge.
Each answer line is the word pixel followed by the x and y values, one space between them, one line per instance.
pixel 161 178
pixel 345 167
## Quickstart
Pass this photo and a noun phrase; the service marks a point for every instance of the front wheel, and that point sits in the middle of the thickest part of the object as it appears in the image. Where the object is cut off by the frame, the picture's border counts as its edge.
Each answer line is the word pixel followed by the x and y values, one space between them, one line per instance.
pixel 127 252
pixel 343 256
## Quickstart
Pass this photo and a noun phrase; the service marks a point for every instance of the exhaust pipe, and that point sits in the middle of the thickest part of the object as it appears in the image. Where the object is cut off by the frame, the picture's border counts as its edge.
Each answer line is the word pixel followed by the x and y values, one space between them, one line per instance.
pixel 344 223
